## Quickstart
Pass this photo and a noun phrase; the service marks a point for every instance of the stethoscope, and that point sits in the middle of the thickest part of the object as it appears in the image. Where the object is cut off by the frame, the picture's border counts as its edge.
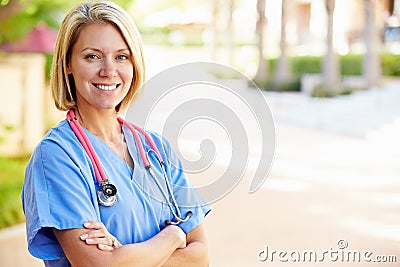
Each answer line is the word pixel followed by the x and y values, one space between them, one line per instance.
pixel 107 195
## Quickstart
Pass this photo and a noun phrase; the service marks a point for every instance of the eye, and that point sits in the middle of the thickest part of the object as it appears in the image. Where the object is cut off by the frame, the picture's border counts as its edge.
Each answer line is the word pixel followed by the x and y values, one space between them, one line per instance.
pixel 92 56
pixel 122 57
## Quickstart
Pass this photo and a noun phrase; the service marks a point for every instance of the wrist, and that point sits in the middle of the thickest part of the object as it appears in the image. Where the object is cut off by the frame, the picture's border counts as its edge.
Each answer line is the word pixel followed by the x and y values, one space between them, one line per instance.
pixel 176 235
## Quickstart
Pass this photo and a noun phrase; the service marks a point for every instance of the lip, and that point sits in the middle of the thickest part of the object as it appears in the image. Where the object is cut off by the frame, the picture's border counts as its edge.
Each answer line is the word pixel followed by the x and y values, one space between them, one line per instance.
pixel 106 87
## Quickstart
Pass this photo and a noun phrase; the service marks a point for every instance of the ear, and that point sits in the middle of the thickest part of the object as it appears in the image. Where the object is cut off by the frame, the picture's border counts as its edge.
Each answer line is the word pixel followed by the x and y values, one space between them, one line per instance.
pixel 68 69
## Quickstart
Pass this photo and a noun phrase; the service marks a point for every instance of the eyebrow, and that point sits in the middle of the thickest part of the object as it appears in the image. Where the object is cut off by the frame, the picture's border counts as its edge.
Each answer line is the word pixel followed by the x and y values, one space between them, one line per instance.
pixel 99 50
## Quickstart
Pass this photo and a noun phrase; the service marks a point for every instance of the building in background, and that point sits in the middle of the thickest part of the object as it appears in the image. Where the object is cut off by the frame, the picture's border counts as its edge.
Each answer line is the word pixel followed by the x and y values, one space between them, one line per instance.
pixel 307 25
pixel 230 25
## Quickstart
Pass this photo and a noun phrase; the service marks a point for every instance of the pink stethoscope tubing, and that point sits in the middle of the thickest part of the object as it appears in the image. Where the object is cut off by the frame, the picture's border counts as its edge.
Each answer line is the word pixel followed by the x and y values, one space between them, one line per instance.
pixel 153 146
pixel 99 172
pixel 77 129
pixel 80 134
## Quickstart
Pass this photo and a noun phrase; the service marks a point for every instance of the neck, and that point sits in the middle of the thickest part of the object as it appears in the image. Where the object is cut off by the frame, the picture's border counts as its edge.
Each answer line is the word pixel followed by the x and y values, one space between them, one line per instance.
pixel 102 123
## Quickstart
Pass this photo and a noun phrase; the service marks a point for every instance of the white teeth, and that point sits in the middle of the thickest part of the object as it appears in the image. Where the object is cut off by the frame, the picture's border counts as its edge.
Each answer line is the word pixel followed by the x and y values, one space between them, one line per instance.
pixel 106 87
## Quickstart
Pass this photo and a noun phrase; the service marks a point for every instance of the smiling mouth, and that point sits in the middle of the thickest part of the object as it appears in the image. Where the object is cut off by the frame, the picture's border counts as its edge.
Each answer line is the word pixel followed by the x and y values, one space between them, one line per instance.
pixel 107 87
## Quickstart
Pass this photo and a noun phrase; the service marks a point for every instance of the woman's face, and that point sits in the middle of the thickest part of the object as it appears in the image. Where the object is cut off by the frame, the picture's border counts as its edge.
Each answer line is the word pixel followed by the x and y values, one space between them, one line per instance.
pixel 102 67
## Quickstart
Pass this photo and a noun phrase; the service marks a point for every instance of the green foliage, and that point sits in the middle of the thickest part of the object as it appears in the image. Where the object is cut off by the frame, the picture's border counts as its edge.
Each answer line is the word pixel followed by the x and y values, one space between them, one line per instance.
pixel 390 64
pixel 321 91
pixel 324 92
pixel 49 60
pixel 351 64
pixel 50 12
pixel 4 2
pixel 290 86
pixel 305 64
pixel 4 128
pixel 293 85
pixel 126 4
pixel 11 180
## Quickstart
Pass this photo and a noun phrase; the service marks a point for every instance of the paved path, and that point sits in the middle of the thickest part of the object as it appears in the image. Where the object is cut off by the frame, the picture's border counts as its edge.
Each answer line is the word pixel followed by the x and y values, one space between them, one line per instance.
pixel 357 115
pixel 336 176
pixel 322 188
pixel 13 248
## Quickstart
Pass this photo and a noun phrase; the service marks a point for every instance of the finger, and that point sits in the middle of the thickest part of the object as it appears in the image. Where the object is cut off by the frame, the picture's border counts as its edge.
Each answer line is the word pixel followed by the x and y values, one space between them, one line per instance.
pixel 107 241
pixel 97 233
pixel 96 241
pixel 105 247
pixel 94 225
pixel 93 234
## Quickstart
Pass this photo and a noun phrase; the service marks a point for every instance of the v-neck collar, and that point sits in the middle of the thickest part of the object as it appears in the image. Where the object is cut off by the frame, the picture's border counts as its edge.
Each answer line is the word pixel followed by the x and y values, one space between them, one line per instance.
pixel 100 146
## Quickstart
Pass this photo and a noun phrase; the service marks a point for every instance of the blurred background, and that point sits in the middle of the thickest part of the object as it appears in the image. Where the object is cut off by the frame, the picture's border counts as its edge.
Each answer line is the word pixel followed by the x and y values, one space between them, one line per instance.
pixel 329 71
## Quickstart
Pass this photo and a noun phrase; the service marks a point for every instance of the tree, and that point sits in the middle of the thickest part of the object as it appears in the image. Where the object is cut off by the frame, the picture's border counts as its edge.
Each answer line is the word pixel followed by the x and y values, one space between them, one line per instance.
pixel 262 69
pixel 230 32
pixel 282 73
pixel 29 15
pixel 11 8
pixel 214 29
pixel 227 36
pixel 330 68
pixel 371 62
pixel 18 17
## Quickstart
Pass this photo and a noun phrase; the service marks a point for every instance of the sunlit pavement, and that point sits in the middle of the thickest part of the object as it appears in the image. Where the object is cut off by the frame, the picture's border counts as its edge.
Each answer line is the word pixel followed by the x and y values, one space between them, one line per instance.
pixel 335 176
pixel 13 248
pixel 322 188
pixel 335 180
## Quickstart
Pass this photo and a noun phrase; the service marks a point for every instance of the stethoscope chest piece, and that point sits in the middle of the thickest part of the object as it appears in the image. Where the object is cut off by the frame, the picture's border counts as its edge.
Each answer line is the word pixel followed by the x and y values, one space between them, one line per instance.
pixel 107 195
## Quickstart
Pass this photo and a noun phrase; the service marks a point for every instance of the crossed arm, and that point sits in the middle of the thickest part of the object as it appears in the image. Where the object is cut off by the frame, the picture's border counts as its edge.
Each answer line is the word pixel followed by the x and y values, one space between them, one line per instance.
pixel 170 247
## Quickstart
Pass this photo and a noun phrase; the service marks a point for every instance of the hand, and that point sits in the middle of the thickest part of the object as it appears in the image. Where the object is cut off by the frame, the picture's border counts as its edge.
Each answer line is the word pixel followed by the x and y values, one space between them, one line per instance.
pixel 178 233
pixel 98 235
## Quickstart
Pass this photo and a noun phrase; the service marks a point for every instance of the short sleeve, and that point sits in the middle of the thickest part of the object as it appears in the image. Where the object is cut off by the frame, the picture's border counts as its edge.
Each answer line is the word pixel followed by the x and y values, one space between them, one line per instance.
pixel 57 193
pixel 187 197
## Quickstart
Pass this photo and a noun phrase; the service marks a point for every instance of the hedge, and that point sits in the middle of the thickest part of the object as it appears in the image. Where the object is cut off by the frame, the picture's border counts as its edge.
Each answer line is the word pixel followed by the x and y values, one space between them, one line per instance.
pixel 350 64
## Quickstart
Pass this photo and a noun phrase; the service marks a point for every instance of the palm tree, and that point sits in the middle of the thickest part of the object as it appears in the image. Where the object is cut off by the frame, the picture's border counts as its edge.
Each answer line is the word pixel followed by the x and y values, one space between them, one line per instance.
pixel 228 35
pixel 262 69
pixel 214 30
pixel 230 32
pixel 282 73
pixel 330 68
pixel 371 64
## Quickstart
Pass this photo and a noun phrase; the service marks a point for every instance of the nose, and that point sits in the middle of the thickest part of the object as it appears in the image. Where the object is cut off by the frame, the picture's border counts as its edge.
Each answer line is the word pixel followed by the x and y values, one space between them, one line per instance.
pixel 108 68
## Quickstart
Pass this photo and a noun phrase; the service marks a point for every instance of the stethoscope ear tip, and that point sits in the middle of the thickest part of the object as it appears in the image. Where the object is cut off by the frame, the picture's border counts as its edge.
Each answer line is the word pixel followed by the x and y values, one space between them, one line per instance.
pixel 187 217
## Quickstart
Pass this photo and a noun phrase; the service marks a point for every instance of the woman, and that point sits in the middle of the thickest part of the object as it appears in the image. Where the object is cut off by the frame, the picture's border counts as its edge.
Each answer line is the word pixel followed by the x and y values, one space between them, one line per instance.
pixel 101 207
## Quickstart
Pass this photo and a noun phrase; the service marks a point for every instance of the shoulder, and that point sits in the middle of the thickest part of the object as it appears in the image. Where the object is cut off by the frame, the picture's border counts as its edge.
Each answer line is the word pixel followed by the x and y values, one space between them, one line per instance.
pixel 57 134
pixel 58 142
pixel 61 133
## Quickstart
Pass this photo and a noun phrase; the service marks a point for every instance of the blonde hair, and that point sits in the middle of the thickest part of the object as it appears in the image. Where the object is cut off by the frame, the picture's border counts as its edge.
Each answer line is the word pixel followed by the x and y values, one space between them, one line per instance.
pixel 62 85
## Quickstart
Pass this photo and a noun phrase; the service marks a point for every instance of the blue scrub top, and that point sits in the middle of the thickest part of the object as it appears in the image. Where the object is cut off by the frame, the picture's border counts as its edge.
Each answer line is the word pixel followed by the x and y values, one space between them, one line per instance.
pixel 60 192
